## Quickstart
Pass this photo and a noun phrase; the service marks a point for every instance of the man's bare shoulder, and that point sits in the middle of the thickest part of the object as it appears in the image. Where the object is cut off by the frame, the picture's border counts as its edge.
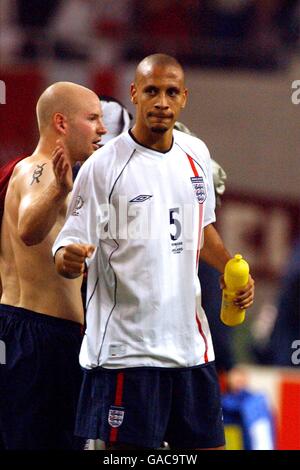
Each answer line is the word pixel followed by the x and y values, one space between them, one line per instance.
pixel 32 172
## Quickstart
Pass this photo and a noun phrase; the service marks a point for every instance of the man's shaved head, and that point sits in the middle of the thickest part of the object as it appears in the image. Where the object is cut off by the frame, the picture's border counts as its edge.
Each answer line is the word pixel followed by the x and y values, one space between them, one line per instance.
pixel 61 97
pixel 156 60
pixel 159 94
pixel 73 114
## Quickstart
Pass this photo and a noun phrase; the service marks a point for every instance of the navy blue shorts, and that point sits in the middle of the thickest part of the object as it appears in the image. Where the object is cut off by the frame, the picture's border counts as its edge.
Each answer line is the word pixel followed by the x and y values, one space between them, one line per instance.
pixel 146 406
pixel 40 380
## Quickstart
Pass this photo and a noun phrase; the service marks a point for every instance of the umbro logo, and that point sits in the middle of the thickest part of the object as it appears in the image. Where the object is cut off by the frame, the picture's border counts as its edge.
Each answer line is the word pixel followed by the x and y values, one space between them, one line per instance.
pixel 141 198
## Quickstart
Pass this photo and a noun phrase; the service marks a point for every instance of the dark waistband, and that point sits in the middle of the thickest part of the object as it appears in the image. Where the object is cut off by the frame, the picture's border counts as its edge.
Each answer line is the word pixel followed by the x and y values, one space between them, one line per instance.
pixel 94 370
pixel 19 313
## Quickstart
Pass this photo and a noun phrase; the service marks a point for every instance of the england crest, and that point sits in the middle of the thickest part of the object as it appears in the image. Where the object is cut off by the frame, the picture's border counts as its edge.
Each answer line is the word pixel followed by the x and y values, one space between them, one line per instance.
pixel 115 416
pixel 199 187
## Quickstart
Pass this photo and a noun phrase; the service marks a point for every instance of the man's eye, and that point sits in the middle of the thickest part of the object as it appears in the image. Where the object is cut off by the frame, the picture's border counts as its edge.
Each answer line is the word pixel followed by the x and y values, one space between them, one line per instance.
pixel 173 92
pixel 151 91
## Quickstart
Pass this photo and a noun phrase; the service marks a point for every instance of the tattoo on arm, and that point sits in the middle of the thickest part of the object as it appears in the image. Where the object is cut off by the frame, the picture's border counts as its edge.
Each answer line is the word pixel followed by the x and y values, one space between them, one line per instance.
pixel 37 173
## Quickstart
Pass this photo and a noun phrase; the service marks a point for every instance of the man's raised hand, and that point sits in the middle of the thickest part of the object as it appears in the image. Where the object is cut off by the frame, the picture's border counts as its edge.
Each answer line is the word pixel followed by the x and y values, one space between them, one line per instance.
pixel 62 168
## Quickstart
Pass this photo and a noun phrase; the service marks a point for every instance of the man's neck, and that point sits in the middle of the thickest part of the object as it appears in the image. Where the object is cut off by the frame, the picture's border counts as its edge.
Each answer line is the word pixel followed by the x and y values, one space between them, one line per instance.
pixel 156 141
pixel 45 147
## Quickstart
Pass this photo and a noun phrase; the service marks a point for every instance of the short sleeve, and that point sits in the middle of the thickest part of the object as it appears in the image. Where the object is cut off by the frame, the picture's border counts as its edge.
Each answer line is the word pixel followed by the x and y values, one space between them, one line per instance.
pixel 209 211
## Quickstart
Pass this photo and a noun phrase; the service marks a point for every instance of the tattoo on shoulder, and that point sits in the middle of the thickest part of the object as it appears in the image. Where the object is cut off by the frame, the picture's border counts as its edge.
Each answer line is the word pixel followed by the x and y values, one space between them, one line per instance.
pixel 37 173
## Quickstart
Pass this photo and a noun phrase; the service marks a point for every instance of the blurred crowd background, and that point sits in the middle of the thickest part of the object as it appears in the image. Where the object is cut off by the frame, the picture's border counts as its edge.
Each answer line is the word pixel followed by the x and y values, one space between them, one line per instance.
pixel 242 58
pixel 245 33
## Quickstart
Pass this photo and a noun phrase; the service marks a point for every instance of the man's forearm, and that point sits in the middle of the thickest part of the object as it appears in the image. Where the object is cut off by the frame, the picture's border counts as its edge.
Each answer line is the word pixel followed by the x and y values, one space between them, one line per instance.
pixel 213 251
pixel 40 216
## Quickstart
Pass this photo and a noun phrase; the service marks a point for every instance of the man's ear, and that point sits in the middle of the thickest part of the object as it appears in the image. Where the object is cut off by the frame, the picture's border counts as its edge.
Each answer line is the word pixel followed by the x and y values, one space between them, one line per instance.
pixel 133 93
pixel 185 93
pixel 60 123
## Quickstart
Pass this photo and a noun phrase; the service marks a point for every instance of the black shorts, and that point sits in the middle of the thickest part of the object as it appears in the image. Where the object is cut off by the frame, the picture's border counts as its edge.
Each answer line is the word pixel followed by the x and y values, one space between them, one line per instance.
pixel 40 380
pixel 146 406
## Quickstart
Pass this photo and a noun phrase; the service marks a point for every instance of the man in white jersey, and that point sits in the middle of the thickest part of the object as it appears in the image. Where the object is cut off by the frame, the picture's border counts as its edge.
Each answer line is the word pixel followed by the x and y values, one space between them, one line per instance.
pixel 145 201
pixel 41 314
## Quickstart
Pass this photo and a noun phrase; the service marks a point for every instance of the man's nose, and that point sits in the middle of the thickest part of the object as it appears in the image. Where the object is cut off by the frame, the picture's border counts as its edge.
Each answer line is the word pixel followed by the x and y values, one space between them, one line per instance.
pixel 162 102
pixel 101 129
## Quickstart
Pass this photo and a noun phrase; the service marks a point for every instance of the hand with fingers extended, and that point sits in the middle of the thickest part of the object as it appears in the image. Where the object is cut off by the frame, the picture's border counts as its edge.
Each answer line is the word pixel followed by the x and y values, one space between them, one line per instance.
pixel 70 259
pixel 62 168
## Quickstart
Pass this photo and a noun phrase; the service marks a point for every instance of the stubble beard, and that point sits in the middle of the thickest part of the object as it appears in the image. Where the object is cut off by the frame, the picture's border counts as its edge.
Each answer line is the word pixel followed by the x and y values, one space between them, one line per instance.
pixel 159 130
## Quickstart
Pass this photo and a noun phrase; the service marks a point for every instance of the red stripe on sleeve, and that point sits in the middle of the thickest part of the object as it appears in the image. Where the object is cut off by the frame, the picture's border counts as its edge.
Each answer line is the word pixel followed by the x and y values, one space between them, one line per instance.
pixel 192 163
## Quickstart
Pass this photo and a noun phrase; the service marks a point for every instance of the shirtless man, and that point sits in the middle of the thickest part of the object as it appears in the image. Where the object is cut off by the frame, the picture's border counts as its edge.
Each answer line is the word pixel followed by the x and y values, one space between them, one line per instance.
pixel 41 314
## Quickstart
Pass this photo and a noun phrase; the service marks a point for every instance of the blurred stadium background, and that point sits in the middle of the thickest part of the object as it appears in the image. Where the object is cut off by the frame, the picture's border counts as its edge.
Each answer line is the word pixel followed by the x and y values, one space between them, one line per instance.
pixel 241 58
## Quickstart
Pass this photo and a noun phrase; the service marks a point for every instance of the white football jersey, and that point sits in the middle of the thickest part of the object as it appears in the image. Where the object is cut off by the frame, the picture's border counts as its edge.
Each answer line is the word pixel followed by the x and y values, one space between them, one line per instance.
pixel 145 212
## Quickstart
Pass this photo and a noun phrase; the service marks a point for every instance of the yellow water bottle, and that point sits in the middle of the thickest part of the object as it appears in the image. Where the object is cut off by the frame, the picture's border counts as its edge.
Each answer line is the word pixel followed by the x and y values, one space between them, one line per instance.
pixel 236 275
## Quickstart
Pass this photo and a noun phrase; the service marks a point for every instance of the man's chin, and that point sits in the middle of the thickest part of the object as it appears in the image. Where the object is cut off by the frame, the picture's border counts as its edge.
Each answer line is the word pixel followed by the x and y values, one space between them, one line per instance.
pixel 159 129
pixel 82 158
